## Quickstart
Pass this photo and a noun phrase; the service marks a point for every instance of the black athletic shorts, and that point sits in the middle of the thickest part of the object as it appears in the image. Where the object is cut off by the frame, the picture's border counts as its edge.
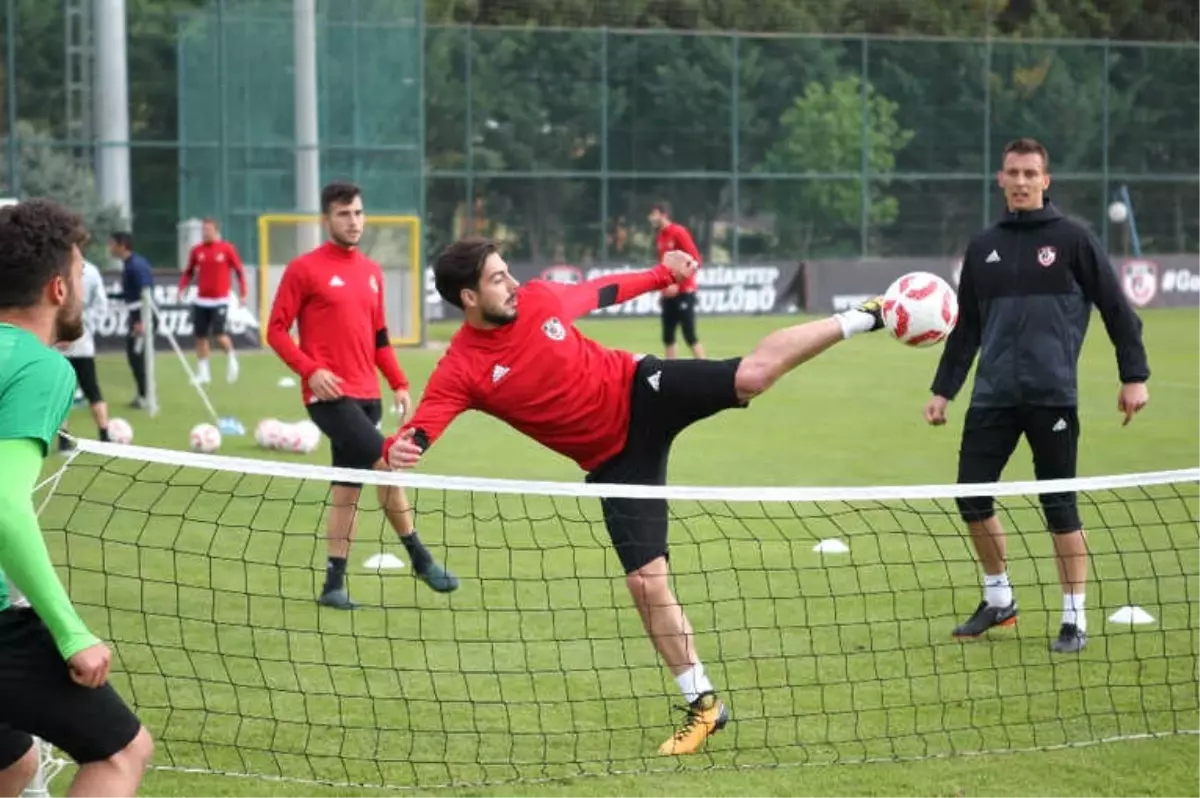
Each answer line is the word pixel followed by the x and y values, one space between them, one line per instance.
pixel 85 375
pixel 679 311
pixel 208 321
pixel 38 698
pixel 352 427
pixel 667 397
pixel 990 436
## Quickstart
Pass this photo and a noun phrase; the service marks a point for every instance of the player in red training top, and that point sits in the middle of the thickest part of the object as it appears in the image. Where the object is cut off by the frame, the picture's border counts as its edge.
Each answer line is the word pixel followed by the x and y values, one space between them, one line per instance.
pixel 678 301
pixel 336 294
pixel 520 358
pixel 211 263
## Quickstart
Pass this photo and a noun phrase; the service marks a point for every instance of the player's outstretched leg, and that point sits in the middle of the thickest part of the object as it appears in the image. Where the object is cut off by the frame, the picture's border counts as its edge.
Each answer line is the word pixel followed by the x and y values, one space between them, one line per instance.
pixel 400 515
pixel 785 349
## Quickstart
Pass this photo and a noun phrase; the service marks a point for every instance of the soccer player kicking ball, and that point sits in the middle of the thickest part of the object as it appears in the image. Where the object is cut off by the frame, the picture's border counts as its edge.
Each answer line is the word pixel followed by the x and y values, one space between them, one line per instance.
pixel 336 294
pixel 53 670
pixel 520 358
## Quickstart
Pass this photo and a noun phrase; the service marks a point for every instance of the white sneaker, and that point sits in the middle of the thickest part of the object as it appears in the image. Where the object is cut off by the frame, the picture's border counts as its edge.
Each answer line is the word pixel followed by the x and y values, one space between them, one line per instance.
pixel 231 370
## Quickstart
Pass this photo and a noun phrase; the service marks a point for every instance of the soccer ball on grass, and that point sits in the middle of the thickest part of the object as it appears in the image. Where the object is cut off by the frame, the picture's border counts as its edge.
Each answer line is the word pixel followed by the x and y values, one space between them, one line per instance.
pixel 205 438
pixel 920 309
pixel 120 431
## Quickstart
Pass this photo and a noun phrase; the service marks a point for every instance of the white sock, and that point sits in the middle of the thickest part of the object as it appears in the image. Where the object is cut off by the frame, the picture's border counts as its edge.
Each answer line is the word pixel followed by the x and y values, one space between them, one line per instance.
pixel 1073 610
pixel 693 682
pixel 232 355
pixel 202 367
pixel 997 591
pixel 854 322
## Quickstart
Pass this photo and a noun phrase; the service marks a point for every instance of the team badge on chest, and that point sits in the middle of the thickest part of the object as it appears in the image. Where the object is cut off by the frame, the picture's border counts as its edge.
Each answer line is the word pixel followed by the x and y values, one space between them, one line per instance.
pixel 554 329
pixel 1047 256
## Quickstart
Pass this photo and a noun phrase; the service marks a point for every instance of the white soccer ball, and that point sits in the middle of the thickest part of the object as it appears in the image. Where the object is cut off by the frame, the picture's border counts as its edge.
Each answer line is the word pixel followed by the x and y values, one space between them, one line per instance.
pixel 1118 212
pixel 291 439
pixel 920 309
pixel 310 435
pixel 267 433
pixel 120 431
pixel 205 438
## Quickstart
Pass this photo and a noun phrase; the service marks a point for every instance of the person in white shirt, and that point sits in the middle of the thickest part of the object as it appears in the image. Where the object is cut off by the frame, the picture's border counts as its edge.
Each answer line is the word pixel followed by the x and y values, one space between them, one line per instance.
pixel 81 353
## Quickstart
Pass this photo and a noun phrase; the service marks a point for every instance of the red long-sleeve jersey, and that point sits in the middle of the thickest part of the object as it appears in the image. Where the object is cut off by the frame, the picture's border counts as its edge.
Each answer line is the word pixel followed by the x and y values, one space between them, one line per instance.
pixel 676 236
pixel 540 374
pixel 212 263
pixel 336 295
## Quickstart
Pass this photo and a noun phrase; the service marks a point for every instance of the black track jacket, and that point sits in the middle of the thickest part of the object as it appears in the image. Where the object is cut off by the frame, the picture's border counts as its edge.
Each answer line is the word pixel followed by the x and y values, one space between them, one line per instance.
pixel 1026 293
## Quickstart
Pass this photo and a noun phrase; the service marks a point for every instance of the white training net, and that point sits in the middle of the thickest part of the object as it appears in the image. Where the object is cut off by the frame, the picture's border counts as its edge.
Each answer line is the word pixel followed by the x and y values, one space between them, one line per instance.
pixel 823 616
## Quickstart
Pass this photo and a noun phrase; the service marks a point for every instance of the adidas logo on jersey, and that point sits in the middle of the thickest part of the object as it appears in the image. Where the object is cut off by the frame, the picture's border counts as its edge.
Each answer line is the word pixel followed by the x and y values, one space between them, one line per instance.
pixel 498 372
pixel 993 258
pixel 336 281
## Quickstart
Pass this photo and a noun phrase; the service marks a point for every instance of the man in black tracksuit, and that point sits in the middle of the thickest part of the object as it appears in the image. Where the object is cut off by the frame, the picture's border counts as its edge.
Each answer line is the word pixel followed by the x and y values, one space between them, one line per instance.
pixel 1026 292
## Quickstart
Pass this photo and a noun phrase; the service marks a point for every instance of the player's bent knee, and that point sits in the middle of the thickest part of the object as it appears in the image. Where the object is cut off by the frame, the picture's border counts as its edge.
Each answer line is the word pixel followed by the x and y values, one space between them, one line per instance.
pixel 1062 513
pixel 754 376
pixel 16 777
pixel 135 757
pixel 975 509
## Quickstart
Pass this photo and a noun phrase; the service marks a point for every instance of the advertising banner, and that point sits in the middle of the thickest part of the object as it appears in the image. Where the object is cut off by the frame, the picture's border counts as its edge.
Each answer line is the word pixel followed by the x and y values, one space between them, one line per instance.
pixel 747 290
pixel 176 314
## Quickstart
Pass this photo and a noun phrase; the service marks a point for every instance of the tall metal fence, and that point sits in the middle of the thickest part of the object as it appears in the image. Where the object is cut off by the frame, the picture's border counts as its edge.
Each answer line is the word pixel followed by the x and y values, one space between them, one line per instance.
pixel 559 140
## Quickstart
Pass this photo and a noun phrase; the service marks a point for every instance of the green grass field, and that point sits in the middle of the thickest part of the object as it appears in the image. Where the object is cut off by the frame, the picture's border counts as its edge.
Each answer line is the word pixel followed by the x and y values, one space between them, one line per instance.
pixel 537 667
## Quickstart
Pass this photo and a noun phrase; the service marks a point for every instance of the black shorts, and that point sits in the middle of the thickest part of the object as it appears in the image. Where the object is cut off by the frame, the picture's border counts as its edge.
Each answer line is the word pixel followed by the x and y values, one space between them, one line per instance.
pixel 679 311
pixel 208 320
pixel 990 436
pixel 352 426
pixel 38 698
pixel 85 375
pixel 667 397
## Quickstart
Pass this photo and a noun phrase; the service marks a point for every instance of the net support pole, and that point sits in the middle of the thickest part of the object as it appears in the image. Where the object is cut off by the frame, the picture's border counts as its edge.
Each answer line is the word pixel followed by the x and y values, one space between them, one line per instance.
pixel 148 333
pixel 308 154
pixel 111 107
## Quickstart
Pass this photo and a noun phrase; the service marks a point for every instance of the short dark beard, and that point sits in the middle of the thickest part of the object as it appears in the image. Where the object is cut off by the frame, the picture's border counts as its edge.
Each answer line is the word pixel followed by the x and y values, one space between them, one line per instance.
pixel 68 329
pixel 497 319
pixel 341 242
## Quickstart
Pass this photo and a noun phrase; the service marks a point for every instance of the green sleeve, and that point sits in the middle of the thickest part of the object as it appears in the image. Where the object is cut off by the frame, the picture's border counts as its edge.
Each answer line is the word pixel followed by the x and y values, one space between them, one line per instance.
pixel 23 554
pixel 36 400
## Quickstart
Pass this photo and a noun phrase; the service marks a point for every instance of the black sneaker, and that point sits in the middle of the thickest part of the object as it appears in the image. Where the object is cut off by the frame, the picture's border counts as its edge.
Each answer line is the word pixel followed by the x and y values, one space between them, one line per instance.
pixel 986 616
pixel 1071 640
pixel 338 598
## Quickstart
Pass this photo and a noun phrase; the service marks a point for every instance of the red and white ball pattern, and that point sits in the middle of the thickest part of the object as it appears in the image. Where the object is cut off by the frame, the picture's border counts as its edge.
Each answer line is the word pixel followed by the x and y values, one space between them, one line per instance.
pixel 301 437
pixel 205 438
pixel 920 309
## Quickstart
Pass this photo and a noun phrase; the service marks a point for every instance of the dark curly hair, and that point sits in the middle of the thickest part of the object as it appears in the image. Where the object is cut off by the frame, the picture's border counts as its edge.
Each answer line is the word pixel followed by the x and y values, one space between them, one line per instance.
pixel 338 193
pixel 460 266
pixel 36 237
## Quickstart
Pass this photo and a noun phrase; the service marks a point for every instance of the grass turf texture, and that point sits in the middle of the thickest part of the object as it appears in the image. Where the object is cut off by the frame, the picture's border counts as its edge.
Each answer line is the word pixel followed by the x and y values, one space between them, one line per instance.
pixel 538 667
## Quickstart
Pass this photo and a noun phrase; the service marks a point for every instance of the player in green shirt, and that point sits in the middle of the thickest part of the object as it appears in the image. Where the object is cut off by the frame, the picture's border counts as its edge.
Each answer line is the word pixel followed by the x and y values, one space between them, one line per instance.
pixel 53 671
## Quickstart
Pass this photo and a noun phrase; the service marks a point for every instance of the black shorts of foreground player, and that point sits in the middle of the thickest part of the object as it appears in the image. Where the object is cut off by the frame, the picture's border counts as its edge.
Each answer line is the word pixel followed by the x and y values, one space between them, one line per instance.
pixel 1028 284
pixel 520 358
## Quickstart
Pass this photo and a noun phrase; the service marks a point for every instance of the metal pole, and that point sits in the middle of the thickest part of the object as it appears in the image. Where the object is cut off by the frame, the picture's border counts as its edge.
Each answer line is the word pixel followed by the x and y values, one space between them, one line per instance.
pixel 148 333
pixel 604 199
pixel 865 165
pixel 10 89
pixel 181 115
pixel 1107 192
pixel 222 210
pixel 735 148
pixel 987 118
pixel 111 106
pixel 422 325
pixel 470 125
pixel 308 156
pixel 355 105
